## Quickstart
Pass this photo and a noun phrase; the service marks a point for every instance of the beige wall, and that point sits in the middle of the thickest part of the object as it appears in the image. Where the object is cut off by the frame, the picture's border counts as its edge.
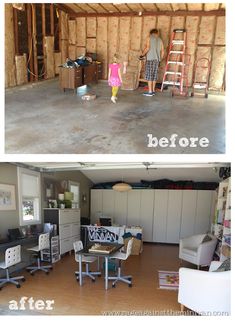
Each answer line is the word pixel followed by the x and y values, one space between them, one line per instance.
pixel 9 218
pixel 8 175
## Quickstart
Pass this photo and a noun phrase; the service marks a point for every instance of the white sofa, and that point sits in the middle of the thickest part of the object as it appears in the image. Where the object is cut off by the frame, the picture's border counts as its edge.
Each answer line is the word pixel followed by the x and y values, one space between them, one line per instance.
pixel 194 251
pixel 207 293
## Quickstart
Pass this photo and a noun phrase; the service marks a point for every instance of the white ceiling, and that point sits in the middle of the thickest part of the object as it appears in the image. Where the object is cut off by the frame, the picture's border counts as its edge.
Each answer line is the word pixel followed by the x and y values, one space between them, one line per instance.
pixel 134 172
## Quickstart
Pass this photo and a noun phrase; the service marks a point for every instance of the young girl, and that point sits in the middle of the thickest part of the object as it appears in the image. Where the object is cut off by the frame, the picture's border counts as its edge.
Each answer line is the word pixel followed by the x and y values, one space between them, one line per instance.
pixel 114 78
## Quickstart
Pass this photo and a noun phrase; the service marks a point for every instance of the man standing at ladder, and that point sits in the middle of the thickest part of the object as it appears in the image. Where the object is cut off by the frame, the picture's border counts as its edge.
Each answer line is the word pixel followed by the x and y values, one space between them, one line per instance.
pixel 155 52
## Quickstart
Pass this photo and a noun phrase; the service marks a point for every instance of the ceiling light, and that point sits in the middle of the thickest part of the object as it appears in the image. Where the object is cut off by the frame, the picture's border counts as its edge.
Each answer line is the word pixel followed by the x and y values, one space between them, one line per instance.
pixel 122 187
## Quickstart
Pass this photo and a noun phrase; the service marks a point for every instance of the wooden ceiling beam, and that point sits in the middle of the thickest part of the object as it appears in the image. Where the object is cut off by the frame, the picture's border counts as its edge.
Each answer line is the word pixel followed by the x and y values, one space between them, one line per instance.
pixel 154 13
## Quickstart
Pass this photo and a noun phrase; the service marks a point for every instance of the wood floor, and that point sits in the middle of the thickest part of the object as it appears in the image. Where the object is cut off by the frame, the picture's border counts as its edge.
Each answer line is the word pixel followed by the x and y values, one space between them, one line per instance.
pixel 91 299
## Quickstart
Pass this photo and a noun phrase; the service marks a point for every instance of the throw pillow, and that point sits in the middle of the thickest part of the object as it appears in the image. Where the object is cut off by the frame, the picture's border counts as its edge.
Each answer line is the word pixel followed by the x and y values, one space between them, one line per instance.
pixel 225 266
pixel 206 239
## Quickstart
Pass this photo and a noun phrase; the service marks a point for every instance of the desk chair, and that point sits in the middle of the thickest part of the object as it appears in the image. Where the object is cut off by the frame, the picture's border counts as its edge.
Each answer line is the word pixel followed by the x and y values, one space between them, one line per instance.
pixel 12 257
pixel 78 246
pixel 43 243
pixel 122 257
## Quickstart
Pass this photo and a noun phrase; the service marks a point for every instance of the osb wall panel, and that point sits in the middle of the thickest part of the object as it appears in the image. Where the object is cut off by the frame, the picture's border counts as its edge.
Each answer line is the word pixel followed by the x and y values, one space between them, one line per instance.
pixel 57 58
pixel 136 31
pixel 192 28
pixel 91 45
pixel 217 68
pixel 64 50
pixel 80 51
pixel 10 69
pixel 202 52
pixel 81 32
pixel 64 25
pixel 163 25
pixel 91 27
pixel 149 22
pixel 113 37
pixel 206 32
pixel 21 69
pixel 220 31
pixel 124 38
pixel 72 32
pixel 72 52
pixel 102 43
pixel 49 56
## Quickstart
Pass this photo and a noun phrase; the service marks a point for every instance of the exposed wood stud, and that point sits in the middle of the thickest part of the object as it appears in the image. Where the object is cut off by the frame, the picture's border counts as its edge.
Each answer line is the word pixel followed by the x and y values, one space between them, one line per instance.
pixel 34 34
pixel 15 17
pixel 132 11
pixel 92 8
pixel 103 7
pixel 30 40
pixel 116 7
pixel 52 25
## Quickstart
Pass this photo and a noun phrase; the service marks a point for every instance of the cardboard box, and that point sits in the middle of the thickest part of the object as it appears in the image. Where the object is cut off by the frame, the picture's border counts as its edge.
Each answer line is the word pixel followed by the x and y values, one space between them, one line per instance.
pixel 136 246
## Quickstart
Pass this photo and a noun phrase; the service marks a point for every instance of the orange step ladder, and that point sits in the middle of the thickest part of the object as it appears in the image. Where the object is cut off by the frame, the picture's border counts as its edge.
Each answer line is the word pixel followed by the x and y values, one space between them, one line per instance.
pixel 175 70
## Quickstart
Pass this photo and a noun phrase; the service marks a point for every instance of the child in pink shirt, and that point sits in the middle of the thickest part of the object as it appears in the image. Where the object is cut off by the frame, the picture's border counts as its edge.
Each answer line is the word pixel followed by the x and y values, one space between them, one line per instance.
pixel 114 78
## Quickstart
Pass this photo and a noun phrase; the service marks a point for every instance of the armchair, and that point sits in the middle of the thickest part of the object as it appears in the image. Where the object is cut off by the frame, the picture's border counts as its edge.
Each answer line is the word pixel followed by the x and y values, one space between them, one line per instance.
pixel 192 250
pixel 207 293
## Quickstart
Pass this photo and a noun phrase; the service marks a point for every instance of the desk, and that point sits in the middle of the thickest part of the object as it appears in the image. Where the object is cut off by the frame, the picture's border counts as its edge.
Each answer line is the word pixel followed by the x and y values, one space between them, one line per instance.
pixel 106 256
pixel 25 254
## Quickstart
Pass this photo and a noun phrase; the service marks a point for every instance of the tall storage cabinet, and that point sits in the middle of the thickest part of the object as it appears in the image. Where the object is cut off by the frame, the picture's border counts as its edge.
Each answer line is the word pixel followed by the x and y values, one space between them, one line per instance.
pixel 165 215
pixel 68 226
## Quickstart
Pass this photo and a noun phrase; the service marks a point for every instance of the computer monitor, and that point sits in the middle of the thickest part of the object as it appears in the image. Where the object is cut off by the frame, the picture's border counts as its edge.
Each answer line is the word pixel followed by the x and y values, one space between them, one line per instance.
pixel 105 221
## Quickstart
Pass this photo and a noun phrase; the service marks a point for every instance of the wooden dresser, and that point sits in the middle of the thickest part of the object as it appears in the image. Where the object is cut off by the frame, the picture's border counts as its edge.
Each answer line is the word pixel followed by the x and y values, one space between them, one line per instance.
pixel 71 78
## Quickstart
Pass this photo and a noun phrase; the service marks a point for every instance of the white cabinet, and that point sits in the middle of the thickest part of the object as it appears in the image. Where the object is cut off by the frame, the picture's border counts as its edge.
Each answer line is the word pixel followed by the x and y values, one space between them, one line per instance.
pixel 108 203
pixel 133 208
pixel 68 223
pixel 160 216
pixel 146 214
pixel 120 208
pixel 174 216
pixel 96 204
pixel 204 205
pixel 188 213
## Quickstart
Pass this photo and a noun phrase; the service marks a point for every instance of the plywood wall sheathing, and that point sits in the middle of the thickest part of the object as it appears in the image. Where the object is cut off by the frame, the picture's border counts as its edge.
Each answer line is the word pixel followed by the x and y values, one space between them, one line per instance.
pixel 49 57
pixel 113 37
pixel 91 27
pixel 102 43
pixel 192 28
pixel 149 22
pixel 124 38
pixel 91 45
pixel 217 68
pixel 10 69
pixel 72 52
pixel 64 30
pixel 72 32
pixel 21 69
pixel 81 31
pixel 220 31
pixel 64 50
pixel 206 32
pixel 57 58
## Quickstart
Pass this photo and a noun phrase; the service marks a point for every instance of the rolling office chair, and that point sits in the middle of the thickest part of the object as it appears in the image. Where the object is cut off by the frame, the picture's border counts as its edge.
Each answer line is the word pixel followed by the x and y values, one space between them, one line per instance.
pixel 78 246
pixel 12 257
pixel 43 243
pixel 122 257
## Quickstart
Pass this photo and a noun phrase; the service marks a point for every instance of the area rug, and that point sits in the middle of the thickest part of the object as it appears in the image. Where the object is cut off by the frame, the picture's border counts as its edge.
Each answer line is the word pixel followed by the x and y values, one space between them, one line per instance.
pixel 168 280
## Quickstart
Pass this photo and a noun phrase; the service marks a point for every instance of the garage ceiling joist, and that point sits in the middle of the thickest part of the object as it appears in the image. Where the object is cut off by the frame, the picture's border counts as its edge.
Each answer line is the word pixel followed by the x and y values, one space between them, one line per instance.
pixel 143 9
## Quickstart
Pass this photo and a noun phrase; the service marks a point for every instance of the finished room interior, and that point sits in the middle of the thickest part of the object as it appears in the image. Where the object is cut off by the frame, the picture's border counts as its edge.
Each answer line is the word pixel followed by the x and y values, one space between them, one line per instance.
pixel 57 81
pixel 114 238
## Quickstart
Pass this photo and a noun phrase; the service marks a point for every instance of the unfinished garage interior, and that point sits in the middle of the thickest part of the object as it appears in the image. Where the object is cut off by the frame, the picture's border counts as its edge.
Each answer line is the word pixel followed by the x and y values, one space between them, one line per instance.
pixel 55 107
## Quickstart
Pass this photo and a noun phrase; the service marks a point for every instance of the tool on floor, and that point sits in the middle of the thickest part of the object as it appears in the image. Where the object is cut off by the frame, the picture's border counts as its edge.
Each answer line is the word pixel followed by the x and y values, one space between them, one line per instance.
pixel 176 69
pixel 201 74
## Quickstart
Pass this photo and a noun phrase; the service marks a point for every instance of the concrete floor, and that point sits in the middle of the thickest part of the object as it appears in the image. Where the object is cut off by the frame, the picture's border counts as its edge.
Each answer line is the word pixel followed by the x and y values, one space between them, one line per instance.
pixel 42 119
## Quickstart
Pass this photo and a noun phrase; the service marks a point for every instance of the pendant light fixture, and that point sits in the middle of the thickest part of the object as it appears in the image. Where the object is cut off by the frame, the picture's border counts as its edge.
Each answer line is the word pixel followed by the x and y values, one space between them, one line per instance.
pixel 122 186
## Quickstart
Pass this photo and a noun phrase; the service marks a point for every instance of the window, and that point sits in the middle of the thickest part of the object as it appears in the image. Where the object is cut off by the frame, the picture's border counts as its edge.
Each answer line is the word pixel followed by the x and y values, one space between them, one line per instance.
pixel 74 188
pixel 29 196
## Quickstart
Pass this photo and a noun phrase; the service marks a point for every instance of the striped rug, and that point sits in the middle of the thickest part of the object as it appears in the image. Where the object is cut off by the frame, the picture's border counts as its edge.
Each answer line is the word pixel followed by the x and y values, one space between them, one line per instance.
pixel 168 280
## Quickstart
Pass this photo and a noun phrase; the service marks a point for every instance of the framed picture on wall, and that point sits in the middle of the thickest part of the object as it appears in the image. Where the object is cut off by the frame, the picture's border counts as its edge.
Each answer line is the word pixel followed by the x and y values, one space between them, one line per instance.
pixel 7 197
